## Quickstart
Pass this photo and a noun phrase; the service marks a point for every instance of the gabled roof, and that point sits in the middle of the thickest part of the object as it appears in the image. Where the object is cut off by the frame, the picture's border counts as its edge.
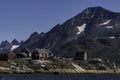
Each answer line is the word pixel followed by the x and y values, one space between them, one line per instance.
pixel 41 51
pixel 25 50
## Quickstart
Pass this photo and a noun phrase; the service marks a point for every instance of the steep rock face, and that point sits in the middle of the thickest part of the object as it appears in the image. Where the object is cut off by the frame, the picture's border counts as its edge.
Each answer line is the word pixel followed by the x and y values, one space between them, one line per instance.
pixel 100 22
pixel 6 46
pixel 101 36
pixel 32 41
pixel 94 30
pixel 105 48
pixel 92 22
pixel 15 42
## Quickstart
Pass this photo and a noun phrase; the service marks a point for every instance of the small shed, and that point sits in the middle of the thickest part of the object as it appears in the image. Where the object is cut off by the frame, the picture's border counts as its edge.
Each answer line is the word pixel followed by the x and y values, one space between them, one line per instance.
pixel 95 61
pixel 7 56
pixel 39 54
pixel 80 56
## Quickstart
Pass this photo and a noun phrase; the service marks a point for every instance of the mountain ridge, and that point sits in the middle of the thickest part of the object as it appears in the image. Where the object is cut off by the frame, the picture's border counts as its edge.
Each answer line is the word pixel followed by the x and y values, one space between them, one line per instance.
pixel 6 46
pixel 94 30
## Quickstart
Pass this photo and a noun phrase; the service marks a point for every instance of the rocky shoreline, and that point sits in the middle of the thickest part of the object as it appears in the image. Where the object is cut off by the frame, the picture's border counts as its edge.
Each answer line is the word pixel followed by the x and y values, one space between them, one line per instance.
pixel 52 67
pixel 60 71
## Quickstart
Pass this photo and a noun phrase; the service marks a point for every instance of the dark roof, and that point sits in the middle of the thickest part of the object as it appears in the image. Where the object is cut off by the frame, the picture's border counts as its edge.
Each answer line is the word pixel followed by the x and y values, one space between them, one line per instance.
pixel 42 51
pixel 25 50
pixel 22 53
pixel 6 53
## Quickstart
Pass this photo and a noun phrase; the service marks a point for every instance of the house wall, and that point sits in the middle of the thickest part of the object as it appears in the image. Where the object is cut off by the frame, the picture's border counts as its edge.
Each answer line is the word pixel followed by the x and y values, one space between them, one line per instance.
pixel 11 56
pixel 80 56
pixel 39 56
pixel 35 55
pixel 3 57
pixel 43 56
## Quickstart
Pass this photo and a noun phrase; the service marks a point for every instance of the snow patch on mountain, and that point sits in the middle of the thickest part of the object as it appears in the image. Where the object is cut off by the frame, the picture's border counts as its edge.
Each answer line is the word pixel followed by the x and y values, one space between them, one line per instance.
pixel 106 22
pixel 109 26
pixel 112 37
pixel 81 28
pixel 14 47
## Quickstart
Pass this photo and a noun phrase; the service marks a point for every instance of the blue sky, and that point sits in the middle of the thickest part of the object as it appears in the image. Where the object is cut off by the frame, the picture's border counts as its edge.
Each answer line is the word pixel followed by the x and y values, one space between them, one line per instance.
pixel 20 18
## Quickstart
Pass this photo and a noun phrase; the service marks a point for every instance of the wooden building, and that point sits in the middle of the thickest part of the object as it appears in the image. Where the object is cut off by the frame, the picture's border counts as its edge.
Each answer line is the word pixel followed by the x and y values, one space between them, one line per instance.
pixel 7 56
pixel 80 56
pixel 26 51
pixel 21 55
pixel 39 54
pixel 95 61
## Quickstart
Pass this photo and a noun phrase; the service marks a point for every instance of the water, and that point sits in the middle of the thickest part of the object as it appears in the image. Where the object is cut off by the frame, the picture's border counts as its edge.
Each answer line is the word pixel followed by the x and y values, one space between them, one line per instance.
pixel 59 77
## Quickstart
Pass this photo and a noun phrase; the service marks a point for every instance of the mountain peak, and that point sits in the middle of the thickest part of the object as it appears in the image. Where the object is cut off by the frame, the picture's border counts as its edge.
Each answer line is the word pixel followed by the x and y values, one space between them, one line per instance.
pixel 97 7
pixel 5 42
pixel 92 9
pixel 15 42
pixel 35 33
pixel 96 10
pixel 98 13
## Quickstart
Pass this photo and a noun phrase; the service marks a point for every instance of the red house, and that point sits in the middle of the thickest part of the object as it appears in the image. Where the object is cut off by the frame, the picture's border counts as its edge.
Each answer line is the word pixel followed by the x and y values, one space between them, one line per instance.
pixel 7 56
pixel 39 54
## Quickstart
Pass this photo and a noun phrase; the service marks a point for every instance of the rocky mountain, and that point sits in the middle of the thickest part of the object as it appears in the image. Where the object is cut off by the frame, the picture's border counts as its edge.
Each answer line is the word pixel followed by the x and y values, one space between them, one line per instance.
pixel 33 40
pixel 95 30
pixel 15 42
pixel 6 46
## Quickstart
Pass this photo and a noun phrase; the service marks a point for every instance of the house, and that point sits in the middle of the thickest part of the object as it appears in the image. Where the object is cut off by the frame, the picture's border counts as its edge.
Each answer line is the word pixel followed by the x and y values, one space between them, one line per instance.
pixel 39 54
pixel 80 56
pixel 24 53
pixel 7 56
pixel 11 56
pixel 21 55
